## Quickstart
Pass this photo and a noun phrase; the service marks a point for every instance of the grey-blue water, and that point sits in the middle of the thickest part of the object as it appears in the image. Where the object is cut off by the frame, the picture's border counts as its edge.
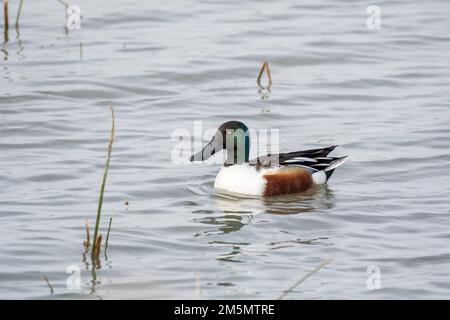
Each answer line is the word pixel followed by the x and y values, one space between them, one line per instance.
pixel 382 95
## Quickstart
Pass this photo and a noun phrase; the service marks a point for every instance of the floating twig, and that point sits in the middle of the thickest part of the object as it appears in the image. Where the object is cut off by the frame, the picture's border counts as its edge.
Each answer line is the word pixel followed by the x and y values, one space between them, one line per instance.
pixel 306 276
pixel 49 284
pixel 19 12
pixel 264 67
pixel 107 235
pixel 102 189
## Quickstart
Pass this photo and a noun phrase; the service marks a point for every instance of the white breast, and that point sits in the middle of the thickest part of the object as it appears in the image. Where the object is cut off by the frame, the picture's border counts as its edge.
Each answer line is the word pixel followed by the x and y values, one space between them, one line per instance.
pixel 241 179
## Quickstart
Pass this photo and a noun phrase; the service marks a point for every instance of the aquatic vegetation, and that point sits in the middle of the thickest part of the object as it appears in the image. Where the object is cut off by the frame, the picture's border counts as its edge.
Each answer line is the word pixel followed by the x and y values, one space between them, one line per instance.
pixel 5 15
pixel 97 238
pixel 264 67
pixel 306 276
pixel 65 4
pixel 87 242
pixel 107 235
pixel 96 248
pixel 49 284
pixel 19 12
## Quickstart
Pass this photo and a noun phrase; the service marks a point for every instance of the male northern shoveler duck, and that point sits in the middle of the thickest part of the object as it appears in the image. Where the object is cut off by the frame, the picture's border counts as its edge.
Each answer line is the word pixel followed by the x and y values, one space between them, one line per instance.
pixel 269 175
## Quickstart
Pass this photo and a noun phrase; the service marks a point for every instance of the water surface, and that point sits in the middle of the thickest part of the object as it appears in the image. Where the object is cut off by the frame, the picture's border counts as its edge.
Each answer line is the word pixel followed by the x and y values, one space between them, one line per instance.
pixel 382 95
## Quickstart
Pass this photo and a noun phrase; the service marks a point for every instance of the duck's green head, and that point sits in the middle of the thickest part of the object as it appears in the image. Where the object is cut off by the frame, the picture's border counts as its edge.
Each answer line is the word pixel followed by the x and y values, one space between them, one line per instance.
pixel 234 137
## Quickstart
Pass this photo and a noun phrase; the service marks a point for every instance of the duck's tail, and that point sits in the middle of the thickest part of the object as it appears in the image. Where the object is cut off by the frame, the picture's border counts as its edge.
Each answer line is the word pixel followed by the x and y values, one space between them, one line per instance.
pixel 337 161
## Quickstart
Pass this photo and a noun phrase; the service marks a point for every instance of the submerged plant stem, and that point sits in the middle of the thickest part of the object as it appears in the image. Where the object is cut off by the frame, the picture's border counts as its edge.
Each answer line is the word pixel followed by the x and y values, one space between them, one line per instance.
pixel 102 189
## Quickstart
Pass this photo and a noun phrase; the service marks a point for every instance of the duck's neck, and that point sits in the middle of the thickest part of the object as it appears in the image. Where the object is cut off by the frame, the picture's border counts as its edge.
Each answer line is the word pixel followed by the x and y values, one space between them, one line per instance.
pixel 239 151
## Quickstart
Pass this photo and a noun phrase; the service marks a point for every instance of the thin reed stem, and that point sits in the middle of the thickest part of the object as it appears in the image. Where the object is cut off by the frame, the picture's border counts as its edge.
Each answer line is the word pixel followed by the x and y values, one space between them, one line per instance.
pixel 5 14
pixel 107 235
pixel 306 276
pixel 49 285
pixel 65 4
pixel 102 189
pixel 87 242
pixel 19 12
pixel 98 244
pixel 6 22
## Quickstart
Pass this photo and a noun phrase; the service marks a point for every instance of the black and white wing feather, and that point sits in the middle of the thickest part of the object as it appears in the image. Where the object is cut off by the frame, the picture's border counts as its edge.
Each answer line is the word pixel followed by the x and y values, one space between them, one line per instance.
pixel 313 160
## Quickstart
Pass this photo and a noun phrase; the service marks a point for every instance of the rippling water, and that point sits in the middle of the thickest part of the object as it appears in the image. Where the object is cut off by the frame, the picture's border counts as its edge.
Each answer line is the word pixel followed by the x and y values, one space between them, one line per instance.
pixel 382 95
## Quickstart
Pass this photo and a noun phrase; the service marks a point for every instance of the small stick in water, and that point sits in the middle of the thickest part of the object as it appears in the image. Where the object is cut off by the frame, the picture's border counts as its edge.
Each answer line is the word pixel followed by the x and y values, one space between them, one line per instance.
pixel 264 67
pixel 49 285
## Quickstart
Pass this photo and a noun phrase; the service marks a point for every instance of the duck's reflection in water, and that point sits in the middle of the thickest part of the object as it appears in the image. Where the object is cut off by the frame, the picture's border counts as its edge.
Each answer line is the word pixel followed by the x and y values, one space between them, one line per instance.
pixel 227 223
pixel 235 212
pixel 314 200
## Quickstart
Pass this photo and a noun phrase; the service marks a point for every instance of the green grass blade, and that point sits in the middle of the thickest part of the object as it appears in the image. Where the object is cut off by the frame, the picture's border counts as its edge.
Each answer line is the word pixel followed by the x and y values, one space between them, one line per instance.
pixel 102 189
